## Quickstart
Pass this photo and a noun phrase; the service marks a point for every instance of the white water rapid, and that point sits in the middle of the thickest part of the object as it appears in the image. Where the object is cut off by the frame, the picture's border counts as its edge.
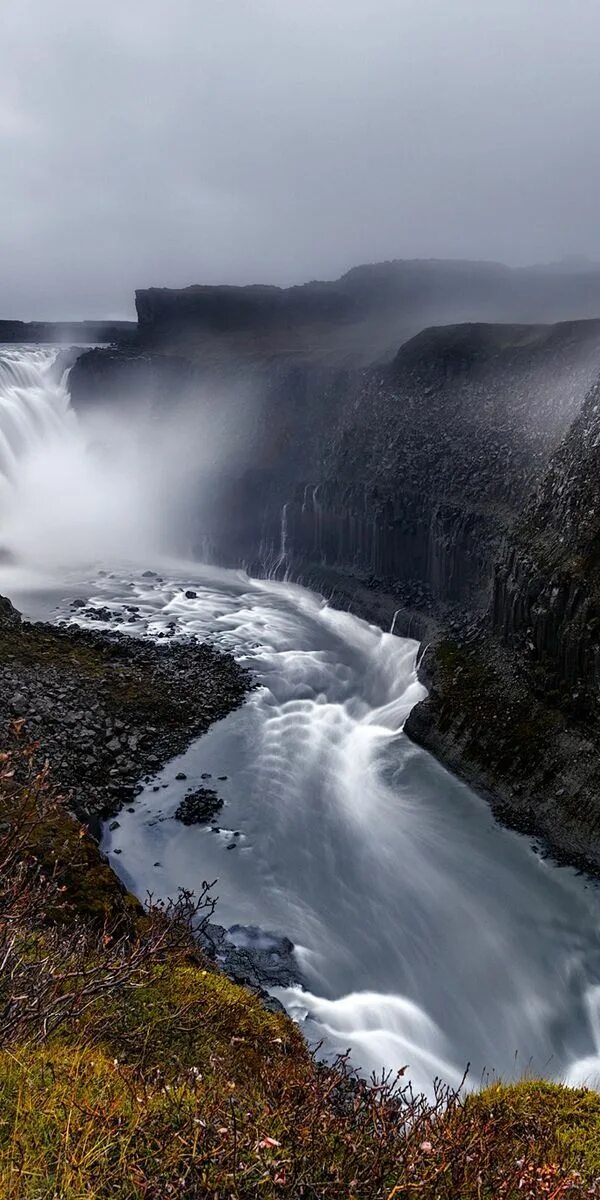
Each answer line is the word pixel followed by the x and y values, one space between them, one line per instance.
pixel 426 934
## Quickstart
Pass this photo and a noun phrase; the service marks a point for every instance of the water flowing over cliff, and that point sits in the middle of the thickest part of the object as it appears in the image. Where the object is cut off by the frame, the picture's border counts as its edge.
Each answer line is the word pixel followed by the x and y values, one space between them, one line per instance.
pixel 114 483
pixel 69 491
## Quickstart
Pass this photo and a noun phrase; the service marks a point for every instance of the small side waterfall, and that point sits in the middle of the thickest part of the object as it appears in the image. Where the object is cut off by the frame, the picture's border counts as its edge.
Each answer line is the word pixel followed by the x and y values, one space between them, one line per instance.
pixel 284 535
pixel 394 619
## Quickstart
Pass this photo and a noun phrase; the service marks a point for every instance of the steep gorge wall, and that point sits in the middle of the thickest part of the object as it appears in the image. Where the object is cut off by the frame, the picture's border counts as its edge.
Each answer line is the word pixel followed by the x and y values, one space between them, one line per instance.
pixel 421 470
pixel 546 602
pixel 517 710
pixel 404 477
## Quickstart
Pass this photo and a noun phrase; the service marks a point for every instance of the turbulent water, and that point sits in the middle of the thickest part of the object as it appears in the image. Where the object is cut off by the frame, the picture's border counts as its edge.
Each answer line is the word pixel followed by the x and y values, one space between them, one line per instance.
pixel 426 934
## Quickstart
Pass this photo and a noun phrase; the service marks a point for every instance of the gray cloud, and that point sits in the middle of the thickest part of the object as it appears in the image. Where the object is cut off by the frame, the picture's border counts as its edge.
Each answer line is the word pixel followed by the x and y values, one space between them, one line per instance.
pixel 177 141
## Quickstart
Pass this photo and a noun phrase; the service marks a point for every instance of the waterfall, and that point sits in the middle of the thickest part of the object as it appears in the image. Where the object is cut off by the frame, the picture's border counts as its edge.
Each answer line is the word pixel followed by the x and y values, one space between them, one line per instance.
pixel 318 519
pixel 76 491
pixel 34 408
pixel 394 619
pixel 282 560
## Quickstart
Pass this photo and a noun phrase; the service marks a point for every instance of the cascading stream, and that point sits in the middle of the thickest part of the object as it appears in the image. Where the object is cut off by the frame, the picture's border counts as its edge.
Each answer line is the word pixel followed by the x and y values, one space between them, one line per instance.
pixel 427 935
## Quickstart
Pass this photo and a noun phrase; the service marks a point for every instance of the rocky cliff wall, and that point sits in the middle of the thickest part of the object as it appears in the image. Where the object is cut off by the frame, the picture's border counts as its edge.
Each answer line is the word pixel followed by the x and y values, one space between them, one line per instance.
pixel 517 708
pixel 362 317
pixel 405 476
pixel 546 600
pixel 421 469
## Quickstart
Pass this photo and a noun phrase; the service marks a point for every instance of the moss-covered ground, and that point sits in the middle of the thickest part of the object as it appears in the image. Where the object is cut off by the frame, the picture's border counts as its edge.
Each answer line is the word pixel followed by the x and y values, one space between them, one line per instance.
pixel 131 1068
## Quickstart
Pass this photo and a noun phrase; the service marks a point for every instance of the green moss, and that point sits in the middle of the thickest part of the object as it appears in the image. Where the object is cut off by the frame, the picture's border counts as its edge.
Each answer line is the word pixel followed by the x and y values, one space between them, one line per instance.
pixel 191 1016
pixel 91 887
pixel 567 1119
pixel 72 858
pixel 499 721
pixel 79 1125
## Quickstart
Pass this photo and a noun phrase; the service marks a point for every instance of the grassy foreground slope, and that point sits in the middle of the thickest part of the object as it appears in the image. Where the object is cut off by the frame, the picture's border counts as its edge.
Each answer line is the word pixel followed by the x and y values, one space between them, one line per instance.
pixel 130 1067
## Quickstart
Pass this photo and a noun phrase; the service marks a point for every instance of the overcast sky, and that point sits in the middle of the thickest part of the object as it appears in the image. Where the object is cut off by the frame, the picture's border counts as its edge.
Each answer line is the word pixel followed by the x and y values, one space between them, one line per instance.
pixel 171 142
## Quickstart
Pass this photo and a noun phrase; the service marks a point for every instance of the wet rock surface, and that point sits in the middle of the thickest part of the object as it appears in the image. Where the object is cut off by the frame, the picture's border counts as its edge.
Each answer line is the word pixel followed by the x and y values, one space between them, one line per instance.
pixel 253 957
pixel 199 807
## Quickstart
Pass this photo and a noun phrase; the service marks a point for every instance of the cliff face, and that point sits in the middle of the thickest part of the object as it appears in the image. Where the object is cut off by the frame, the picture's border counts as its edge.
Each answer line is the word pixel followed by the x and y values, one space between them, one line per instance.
pixel 518 709
pixel 405 476
pixel 362 317
pixel 421 468
pixel 546 589
pixel 65 331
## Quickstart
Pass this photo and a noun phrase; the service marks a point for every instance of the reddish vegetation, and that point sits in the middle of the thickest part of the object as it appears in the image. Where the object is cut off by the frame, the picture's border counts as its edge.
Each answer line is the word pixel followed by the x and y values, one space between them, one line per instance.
pixel 130 1068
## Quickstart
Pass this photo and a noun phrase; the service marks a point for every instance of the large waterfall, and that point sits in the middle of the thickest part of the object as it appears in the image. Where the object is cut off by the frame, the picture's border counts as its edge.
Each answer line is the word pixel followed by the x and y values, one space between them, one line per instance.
pixel 108 486
pixel 70 492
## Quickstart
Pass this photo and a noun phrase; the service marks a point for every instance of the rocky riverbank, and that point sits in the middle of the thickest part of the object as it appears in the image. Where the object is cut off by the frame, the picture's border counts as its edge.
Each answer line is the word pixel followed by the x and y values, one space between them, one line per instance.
pixel 539 770
pixel 107 709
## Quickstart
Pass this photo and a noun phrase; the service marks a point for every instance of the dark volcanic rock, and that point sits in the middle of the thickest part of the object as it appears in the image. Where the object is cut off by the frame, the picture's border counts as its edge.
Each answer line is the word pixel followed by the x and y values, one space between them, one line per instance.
pixel 126 377
pixel 107 709
pixel 251 956
pixel 199 807
pixel 518 711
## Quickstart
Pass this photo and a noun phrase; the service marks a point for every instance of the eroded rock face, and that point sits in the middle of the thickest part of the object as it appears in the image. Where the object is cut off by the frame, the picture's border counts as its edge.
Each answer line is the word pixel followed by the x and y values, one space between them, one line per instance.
pixel 518 710
pixel 423 466
pixel 406 476
pixel 546 602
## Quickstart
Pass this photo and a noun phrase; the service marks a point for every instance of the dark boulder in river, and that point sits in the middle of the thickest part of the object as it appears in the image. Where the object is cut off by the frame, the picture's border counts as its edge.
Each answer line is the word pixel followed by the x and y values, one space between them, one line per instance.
pixel 199 807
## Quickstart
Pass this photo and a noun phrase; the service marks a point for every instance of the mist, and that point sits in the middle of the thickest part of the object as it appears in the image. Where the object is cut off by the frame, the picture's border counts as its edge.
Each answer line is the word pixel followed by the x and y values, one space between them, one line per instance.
pixel 251 140
pixel 110 486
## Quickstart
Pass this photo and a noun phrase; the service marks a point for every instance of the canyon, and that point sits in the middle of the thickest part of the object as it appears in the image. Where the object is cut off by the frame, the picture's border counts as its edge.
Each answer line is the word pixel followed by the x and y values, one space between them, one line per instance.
pixel 447 488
